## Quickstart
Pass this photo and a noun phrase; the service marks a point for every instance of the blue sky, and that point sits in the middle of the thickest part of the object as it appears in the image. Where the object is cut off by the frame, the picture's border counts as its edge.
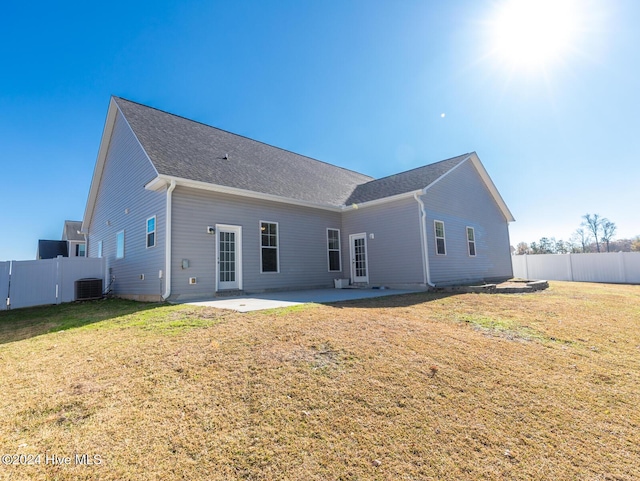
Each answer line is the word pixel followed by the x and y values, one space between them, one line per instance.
pixel 360 84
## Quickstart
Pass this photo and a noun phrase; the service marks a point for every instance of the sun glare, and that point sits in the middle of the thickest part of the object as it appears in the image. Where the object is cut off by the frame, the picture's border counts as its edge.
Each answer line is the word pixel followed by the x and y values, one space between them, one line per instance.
pixel 533 34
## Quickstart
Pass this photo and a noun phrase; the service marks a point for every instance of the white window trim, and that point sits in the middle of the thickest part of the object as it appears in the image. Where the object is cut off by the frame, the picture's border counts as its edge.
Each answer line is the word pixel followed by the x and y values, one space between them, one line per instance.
pixel 339 251
pixel 475 245
pixel 154 232
pixel 123 244
pixel 277 271
pixel 444 237
pixel 99 249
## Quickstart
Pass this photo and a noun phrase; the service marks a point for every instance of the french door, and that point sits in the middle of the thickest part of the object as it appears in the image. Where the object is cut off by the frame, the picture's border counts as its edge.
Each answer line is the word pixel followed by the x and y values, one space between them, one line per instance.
pixel 229 257
pixel 358 252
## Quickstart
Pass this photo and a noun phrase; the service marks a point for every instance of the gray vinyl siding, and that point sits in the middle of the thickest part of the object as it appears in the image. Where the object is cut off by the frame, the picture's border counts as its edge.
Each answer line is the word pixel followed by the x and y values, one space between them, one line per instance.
pixel 123 204
pixel 303 257
pixel 461 200
pixel 394 254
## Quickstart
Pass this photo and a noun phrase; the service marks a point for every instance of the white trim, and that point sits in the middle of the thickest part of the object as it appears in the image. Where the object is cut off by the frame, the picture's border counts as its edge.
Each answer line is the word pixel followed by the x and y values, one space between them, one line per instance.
pixel 333 250
pixel 352 238
pixel 100 246
pixel 161 180
pixel 444 237
pixel 98 170
pixel 384 200
pixel 426 272
pixel 237 229
pixel 484 175
pixel 154 232
pixel 158 182
pixel 123 244
pixel 167 241
pixel 277 271
pixel 475 245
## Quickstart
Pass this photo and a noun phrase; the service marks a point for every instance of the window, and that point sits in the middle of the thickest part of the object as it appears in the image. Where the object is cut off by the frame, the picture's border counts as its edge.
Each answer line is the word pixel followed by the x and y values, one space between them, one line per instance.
pixel 120 245
pixel 99 248
pixel 269 246
pixel 80 250
pixel 333 246
pixel 440 242
pixel 151 232
pixel 471 241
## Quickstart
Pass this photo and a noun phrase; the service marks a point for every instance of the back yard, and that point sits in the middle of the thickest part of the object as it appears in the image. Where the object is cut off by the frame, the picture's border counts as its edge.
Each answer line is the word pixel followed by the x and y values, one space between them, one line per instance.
pixel 422 386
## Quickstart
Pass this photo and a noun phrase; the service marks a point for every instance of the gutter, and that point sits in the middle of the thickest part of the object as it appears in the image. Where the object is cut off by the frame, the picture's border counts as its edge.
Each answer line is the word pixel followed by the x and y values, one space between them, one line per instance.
pixel 423 239
pixel 167 243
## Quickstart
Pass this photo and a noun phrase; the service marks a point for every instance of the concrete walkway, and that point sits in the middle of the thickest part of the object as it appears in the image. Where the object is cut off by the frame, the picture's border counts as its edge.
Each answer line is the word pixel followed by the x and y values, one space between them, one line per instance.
pixel 273 300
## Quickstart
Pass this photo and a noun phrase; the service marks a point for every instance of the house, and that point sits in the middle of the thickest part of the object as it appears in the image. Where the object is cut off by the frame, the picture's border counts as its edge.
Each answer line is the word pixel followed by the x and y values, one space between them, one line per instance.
pixel 181 210
pixel 73 243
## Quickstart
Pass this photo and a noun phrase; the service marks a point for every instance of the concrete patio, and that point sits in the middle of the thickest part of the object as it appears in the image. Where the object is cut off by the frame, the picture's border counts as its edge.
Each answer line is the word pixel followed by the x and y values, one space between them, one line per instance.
pixel 257 302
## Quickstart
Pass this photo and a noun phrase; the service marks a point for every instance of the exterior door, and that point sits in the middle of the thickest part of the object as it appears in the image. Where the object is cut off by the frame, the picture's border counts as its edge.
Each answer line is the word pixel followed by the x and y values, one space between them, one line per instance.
pixel 229 256
pixel 358 251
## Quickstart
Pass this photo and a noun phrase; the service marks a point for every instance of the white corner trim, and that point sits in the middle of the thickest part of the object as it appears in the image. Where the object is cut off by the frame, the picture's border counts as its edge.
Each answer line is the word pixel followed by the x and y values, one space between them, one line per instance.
pixel 423 240
pixel 167 243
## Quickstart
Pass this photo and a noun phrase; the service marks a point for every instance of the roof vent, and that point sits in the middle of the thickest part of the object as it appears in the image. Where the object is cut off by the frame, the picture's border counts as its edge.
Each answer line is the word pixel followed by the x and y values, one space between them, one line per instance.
pixel 226 157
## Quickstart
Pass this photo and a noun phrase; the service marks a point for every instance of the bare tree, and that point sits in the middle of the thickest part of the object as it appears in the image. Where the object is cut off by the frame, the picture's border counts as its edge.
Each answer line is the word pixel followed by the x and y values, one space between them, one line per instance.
pixel 608 231
pixel 522 248
pixel 592 224
pixel 582 238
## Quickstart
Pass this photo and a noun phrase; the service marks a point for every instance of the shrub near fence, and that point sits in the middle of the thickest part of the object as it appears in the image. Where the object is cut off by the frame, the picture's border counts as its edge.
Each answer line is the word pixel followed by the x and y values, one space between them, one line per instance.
pixel 612 267
pixel 47 281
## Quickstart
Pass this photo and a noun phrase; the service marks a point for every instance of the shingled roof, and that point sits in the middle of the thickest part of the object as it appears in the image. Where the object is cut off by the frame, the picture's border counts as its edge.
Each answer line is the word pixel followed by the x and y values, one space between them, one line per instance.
pixel 185 149
pixel 408 181
pixel 182 148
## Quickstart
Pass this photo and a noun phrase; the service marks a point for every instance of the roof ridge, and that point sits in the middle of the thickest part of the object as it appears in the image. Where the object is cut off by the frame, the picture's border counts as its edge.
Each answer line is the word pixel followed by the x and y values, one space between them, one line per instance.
pixel 419 167
pixel 242 136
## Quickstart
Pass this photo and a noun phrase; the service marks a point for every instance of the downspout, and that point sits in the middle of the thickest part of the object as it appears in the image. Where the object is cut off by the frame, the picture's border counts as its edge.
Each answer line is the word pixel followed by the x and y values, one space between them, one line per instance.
pixel 167 243
pixel 423 239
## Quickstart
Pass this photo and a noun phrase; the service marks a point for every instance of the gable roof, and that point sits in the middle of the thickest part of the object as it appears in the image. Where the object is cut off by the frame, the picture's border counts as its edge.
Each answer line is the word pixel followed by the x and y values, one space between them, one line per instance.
pixel 201 156
pixel 409 181
pixel 182 148
pixel 71 231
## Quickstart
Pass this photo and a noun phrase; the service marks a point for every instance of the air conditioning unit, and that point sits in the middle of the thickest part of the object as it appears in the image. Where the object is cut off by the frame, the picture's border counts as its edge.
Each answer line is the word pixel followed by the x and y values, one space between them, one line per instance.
pixel 89 288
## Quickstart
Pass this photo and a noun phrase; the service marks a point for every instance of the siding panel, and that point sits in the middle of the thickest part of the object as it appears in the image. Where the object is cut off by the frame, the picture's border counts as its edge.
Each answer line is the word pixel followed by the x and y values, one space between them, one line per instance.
pixel 461 200
pixel 302 237
pixel 394 254
pixel 123 204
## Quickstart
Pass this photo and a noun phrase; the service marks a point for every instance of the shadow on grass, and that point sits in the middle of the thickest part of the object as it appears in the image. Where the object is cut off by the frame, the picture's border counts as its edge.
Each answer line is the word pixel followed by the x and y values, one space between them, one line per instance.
pixel 29 322
pixel 398 300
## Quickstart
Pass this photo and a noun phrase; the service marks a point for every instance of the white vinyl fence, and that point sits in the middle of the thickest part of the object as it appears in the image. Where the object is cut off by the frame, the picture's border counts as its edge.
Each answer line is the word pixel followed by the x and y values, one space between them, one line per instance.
pixel 613 267
pixel 47 281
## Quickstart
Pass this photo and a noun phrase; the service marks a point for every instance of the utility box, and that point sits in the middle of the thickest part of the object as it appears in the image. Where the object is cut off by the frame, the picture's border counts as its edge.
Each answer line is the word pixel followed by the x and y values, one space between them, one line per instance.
pixel 341 283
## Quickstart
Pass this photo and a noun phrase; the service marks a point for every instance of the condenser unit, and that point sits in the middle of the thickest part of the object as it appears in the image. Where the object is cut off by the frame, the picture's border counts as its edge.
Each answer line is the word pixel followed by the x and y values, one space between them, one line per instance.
pixel 87 289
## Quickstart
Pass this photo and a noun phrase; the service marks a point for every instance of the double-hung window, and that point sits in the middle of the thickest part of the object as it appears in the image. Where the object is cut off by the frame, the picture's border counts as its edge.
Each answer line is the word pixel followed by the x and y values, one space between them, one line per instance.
pixel 441 248
pixel 471 241
pixel 151 232
pixel 333 247
pixel 268 246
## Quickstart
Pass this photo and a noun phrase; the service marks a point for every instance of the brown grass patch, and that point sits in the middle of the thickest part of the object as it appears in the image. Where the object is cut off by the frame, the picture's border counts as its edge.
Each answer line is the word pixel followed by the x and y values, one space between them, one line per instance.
pixel 538 386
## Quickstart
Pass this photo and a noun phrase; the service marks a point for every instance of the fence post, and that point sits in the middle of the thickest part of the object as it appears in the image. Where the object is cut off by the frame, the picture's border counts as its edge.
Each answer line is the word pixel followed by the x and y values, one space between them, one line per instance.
pixel 58 279
pixel 526 267
pixel 623 271
pixel 570 266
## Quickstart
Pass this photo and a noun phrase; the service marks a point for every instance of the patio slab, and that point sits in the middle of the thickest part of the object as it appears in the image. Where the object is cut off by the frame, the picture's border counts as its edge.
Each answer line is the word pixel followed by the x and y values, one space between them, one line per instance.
pixel 258 302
